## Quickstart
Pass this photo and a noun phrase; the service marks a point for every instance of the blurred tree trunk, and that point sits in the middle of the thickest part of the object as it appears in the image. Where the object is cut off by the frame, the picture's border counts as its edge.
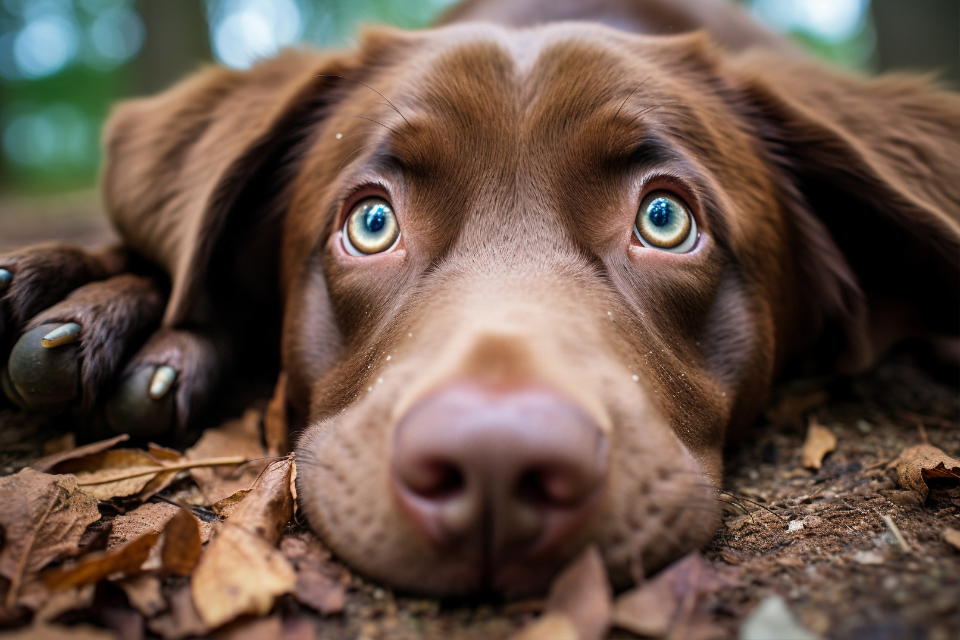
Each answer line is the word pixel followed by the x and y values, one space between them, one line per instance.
pixel 919 35
pixel 177 42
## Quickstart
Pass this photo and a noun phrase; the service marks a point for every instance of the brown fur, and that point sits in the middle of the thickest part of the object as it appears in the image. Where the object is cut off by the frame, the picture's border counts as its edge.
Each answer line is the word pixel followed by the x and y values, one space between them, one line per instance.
pixel 516 159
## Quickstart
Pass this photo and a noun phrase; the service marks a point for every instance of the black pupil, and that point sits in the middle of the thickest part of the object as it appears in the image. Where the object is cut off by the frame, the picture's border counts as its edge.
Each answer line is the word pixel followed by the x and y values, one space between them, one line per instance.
pixel 659 212
pixel 375 219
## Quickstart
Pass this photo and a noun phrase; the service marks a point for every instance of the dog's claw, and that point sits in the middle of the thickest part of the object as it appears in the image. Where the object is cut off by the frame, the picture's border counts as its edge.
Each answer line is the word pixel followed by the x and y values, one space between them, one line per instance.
pixel 5 279
pixel 64 334
pixel 162 380
pixel 134 408
pixel 42 377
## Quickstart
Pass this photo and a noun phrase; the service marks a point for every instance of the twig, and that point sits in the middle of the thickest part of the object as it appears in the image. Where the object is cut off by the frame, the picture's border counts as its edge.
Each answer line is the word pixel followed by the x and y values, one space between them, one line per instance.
pixel 146 471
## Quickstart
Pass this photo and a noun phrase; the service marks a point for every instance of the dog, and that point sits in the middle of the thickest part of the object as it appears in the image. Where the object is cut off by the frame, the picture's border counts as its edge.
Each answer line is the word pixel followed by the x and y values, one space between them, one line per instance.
pixel 524 273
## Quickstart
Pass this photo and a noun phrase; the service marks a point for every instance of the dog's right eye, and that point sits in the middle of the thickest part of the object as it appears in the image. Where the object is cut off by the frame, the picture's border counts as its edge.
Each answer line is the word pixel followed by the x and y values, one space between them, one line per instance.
pixel 370 228
pixel 664 222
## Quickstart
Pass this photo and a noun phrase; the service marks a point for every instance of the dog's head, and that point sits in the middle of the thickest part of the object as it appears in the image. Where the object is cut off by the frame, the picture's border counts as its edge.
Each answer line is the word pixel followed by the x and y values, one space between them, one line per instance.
pixel 530 280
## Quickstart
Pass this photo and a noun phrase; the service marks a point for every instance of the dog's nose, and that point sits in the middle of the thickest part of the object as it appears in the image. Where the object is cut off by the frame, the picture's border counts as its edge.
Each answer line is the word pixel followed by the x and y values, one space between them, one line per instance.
pixel 497 475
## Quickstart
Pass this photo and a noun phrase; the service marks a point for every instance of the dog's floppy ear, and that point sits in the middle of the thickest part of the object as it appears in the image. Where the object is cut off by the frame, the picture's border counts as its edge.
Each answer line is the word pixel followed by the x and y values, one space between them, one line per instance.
pixel 180 164
pixel 871 184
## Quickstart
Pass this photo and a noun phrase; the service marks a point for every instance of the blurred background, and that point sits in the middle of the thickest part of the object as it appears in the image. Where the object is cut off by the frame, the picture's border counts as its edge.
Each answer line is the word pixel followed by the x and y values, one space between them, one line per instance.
pixel 64 62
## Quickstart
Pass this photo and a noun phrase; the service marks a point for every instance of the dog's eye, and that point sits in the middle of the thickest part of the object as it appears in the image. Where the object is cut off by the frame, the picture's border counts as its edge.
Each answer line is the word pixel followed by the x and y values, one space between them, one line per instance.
pixel 665 223
pixel 370 228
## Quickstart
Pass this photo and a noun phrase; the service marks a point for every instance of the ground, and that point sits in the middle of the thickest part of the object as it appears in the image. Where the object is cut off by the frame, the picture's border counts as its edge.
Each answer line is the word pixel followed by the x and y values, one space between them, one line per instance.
pixel 817 539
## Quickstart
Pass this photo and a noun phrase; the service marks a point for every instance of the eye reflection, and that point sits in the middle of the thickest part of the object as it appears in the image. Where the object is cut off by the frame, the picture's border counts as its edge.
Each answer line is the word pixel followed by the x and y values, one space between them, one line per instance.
pixel 370 228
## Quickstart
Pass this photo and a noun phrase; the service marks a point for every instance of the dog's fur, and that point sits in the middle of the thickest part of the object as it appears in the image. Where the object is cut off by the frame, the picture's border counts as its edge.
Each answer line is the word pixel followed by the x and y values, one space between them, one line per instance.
pixel 516 156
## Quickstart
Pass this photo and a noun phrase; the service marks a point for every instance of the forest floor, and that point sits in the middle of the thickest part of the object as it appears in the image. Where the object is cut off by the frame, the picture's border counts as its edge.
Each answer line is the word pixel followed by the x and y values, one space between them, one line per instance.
pixel 850 550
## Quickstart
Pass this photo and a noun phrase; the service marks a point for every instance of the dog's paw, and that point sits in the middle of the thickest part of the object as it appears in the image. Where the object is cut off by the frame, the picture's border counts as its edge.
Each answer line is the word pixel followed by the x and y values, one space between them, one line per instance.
pixel 85 336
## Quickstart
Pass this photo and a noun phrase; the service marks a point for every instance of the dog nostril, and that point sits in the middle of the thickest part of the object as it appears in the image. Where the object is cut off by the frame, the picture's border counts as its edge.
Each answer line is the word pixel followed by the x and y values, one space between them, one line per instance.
pixel 553 487
pixel 434 480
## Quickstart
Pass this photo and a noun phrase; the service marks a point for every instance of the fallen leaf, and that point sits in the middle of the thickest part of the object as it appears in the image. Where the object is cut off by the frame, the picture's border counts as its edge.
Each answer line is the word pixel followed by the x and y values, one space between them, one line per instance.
pixel 916 465
pixel 225 507
pixel 951 537
pixel 773 619
pixel 321 583
pixel 125 472
pixel 267 508
pixel 646 611
pixel 43 518
pixel 320 593
pixel 551 626
pixel 240 438
pixel 669 599
pixel 60 444
pixel 820 441
pixel 582 593
pixel 181 544
pixel 47 463
pixel 98 565
pixel 143 593
pixel 239 573
pixel 182 621
pixel 56 604
pixel 275 425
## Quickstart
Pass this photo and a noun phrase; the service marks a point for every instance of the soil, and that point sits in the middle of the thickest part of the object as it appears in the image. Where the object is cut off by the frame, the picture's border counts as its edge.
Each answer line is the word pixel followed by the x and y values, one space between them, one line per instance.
pixel 818 539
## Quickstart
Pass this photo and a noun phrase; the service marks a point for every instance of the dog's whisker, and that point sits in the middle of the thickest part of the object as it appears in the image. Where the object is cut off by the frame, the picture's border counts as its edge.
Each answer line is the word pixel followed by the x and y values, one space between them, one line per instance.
pixel 371 120
pixel 352 153
pixel 393 106
pixel 629 96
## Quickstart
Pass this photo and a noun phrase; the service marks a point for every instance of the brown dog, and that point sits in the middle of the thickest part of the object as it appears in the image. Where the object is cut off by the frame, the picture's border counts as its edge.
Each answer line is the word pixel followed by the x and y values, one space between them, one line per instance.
pixel 524 282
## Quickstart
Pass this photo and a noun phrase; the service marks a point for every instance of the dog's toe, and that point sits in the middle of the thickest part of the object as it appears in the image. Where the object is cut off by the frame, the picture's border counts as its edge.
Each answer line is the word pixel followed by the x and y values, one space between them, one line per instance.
pixel 43 372
pixel 143 404
pixel 165 385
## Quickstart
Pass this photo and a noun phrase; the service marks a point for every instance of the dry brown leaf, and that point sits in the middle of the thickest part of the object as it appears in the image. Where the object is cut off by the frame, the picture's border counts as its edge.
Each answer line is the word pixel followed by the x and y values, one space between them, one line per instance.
pixel 267 508
pixel 660 605
pixel 917 464
pixel 321 583
pixel 275 425
pixel 579 602
pixel 125 472
pixel 182 621
pixel 551 626
pixel 234 438
pixel 143 593
pixel 151 517
pixel 43 518
pixel 951 537
pixel 98 565
pixel 181 544
pixel 263 629
pixel 239 573
pixel 646 611
pixel 47 463
pixel 820 441
pixel 225 507
pixel 56 604
pixel 319 592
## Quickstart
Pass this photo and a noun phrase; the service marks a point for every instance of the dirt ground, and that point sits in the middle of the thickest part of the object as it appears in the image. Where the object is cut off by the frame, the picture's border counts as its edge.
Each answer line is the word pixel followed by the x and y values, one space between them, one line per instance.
pixel 817 539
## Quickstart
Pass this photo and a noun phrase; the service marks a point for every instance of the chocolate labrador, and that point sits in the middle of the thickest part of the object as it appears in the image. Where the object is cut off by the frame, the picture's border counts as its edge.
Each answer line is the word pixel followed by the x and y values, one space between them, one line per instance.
pixel 524 273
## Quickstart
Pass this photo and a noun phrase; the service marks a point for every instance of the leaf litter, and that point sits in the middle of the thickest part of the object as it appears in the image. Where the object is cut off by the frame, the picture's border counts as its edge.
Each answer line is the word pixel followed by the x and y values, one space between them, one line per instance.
pixel 841 510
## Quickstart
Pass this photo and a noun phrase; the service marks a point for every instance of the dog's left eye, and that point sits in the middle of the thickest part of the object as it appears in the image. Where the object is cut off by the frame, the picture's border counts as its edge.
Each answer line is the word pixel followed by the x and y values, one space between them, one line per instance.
pixel 664 222
pixel 370 228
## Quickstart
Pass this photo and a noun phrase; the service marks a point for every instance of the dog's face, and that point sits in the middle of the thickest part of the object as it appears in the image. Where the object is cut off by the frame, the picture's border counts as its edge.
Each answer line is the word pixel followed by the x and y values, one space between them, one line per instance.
pixel 531 279
pixel 519 170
